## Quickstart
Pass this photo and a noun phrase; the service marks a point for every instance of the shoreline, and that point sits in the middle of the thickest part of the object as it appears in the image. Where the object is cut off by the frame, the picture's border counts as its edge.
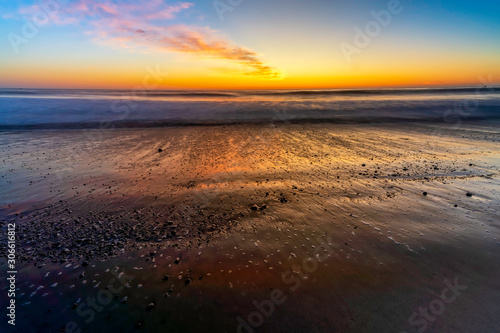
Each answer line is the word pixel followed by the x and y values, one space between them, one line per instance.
pixel 110 124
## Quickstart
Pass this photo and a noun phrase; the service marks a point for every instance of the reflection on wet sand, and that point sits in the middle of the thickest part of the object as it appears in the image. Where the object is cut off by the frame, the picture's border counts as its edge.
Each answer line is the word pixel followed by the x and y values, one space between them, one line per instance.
pixel 213 222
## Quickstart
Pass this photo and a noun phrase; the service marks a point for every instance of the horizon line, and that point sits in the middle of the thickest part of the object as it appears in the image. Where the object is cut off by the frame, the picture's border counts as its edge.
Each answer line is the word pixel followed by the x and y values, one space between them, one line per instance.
pixel 256 89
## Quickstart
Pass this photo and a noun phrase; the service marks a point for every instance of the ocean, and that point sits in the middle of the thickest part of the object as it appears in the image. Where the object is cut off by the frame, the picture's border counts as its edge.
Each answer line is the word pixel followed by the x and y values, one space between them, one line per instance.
pixel 67 108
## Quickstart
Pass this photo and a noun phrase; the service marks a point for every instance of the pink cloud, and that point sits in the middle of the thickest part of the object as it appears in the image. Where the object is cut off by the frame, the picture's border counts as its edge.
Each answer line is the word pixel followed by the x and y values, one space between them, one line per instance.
pixel 126 24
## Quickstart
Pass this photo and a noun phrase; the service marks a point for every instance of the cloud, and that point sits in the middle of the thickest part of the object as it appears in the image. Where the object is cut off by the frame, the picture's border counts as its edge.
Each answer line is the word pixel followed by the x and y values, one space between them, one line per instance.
pixel 126 24
pixel 198 41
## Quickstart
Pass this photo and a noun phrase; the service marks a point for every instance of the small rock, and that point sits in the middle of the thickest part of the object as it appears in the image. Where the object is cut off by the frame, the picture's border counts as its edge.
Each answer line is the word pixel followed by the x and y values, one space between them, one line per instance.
pixel 75 305
pixel 151 306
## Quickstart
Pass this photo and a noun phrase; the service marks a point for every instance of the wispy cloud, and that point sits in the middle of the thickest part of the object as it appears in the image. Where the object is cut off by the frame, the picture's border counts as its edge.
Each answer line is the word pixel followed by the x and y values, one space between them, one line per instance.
pixel 198 41
pixel 126 24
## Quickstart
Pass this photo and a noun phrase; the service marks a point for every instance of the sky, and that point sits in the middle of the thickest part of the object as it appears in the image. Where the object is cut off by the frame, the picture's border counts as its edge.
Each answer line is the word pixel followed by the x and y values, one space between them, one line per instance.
pixel 248 44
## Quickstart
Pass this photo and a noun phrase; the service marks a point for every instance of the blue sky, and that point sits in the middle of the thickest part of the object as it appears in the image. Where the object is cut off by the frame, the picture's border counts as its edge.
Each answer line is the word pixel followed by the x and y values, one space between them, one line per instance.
pixel 274 43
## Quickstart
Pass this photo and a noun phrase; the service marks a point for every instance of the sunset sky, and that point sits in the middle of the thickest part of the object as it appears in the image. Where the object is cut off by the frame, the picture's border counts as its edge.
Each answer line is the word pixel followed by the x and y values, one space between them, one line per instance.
pixel 256 44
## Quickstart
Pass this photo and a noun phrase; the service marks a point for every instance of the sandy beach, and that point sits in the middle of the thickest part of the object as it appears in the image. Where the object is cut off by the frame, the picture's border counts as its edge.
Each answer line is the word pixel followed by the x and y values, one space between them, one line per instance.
pixel 256 228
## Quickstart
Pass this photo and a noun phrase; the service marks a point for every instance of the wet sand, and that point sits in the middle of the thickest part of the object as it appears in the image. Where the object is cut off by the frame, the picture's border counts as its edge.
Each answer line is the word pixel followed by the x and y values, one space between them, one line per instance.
pixel 354 227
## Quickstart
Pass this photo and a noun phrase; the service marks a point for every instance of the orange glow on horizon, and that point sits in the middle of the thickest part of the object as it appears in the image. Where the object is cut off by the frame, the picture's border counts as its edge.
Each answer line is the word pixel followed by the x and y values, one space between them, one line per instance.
pixel 122 75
